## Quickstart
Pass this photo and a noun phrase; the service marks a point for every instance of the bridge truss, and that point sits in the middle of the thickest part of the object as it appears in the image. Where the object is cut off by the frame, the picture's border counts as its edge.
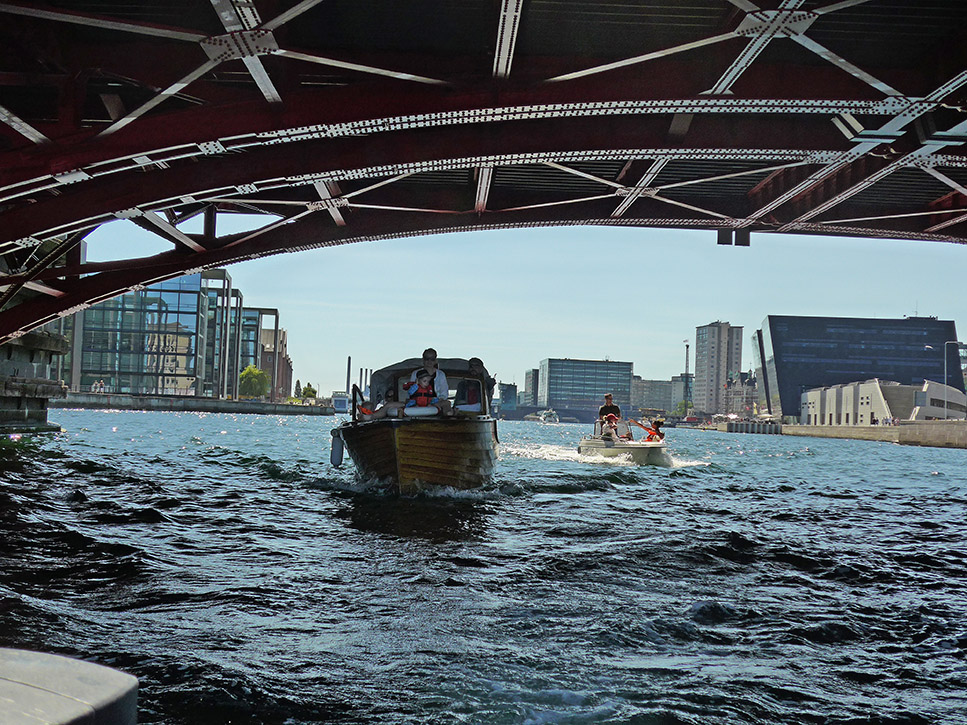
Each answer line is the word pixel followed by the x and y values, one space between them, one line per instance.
pixel 347 120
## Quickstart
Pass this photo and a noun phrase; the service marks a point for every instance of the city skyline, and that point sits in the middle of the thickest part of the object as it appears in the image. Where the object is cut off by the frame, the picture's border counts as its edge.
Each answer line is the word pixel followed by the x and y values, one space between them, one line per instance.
pixel 516 297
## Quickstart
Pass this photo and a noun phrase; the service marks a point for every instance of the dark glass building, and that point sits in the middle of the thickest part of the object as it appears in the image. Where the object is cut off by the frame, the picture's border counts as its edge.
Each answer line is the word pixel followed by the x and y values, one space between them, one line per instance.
pixel 796 354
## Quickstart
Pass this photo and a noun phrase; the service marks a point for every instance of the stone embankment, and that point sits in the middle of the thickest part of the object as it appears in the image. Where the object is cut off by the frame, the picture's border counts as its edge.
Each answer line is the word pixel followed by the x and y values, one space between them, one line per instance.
pixel 119 401
pixel 937 433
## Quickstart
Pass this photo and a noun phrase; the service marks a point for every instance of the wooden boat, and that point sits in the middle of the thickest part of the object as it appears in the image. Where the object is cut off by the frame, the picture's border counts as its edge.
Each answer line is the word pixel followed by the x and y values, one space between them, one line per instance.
pixel 642 452
pixel 410 449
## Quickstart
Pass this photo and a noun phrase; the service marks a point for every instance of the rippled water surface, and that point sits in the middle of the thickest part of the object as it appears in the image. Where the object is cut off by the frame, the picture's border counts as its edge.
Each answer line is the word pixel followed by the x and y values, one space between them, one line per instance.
pixel 243 579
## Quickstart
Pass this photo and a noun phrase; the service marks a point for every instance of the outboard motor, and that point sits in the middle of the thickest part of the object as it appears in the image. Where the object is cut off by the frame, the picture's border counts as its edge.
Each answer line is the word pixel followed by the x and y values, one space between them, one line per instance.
pixel 336 452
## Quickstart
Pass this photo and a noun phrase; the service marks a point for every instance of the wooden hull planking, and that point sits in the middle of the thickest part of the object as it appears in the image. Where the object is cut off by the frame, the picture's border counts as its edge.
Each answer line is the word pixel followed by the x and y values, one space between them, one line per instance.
pixel 456 452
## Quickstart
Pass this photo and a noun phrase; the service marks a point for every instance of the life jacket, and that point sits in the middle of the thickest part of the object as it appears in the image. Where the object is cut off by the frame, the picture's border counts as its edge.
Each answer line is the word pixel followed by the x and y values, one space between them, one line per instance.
pixel 423 396
pixel 654 435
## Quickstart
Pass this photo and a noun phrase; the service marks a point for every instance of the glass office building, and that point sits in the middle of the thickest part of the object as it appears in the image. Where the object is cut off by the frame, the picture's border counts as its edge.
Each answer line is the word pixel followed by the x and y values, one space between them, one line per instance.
pixel 796 354
pixel 581 384
pixel 149 341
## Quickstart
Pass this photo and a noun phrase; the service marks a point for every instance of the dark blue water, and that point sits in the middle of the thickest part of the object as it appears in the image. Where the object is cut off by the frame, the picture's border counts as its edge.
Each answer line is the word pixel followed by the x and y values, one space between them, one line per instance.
pixel 757 579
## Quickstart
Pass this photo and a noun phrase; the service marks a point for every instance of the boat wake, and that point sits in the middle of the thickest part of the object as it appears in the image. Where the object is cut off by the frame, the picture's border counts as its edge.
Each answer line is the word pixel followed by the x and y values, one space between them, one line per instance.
pixel 547 452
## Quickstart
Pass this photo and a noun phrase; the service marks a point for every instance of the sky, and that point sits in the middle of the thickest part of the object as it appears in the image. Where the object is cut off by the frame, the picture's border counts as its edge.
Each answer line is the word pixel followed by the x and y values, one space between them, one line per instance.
pixel 516 297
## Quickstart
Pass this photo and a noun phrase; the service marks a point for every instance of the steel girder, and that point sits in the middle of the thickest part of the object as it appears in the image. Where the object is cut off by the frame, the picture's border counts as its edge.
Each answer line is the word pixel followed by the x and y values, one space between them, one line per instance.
pixel 351 120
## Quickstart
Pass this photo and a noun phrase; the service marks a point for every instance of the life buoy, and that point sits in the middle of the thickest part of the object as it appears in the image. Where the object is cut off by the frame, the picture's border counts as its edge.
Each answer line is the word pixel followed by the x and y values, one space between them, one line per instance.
pixel 420 412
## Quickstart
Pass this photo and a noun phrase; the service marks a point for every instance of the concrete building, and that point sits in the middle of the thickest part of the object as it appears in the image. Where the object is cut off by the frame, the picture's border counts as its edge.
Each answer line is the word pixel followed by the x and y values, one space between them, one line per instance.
pixel 681 390
pixel 652 394
pixel 507 397
pixel 741 397
pixel 531 383
pixel 580 385
pixel 878 402
pixel 796 354
pixel 718 357
pixel 281 363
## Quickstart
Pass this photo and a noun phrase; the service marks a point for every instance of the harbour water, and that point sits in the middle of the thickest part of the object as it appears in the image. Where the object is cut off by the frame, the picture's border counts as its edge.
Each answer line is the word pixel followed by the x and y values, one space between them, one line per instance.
pixel 243 579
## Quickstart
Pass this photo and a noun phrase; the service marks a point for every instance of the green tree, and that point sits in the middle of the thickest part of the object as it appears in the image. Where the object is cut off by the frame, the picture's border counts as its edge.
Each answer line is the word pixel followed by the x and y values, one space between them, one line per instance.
pixel 298 389
pixel 308 391
pixel 253 382
pixel 682 408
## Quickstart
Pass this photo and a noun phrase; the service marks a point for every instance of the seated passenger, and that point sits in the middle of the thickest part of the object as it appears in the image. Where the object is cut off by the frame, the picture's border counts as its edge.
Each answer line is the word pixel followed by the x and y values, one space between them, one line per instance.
pixel 609 428
pixel 421 390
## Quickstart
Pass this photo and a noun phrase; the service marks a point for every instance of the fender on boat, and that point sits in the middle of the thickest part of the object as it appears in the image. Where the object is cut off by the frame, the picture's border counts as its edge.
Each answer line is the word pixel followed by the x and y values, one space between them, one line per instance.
pixel 420 412
pixel 336 452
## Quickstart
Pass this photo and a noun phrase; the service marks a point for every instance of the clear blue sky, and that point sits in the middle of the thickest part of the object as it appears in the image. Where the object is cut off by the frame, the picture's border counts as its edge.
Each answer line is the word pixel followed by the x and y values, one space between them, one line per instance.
pixel 515 297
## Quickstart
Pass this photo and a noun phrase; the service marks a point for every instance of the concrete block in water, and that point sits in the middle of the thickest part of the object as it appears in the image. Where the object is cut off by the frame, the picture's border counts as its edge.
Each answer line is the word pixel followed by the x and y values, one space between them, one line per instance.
pixel 45 689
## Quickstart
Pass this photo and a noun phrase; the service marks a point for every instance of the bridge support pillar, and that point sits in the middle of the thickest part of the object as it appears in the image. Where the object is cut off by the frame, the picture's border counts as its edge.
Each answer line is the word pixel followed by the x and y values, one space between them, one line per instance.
pixel 26 384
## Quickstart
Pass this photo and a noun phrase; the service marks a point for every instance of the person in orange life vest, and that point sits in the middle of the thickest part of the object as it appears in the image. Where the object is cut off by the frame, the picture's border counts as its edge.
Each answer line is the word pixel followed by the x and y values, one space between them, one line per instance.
pixel 440 386
pixel 421 391
pixel 654 431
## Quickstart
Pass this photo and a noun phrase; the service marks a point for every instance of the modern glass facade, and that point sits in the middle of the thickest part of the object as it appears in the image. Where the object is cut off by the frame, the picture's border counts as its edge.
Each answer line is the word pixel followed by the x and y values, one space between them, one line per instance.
pixel 581 384
pixel 796 354
pixel 149 341
pixel 219 336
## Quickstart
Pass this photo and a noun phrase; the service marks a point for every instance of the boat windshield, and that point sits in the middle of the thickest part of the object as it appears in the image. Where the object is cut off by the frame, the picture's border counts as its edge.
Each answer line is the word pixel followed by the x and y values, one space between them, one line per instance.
pixel 624 430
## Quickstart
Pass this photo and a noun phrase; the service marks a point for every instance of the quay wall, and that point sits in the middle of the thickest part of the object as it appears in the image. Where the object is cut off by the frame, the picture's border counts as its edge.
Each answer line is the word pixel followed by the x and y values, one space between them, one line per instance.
pixel 748 426
pixel 120 401
pixel 936 433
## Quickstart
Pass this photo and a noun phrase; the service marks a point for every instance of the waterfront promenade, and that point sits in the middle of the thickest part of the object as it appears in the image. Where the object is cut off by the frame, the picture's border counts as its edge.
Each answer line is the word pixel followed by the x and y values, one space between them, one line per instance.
pixel 120 401
pixel 936 433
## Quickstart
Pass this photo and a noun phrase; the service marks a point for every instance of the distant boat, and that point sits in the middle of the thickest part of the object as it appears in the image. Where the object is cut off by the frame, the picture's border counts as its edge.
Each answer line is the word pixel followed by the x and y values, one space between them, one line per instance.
pixel 543 416
pixel 340 401
pixel 417 447
pixel 642 452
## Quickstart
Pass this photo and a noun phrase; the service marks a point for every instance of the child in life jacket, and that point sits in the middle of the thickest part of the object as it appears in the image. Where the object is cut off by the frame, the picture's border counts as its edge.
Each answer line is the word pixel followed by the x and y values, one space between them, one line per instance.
pixel 421 390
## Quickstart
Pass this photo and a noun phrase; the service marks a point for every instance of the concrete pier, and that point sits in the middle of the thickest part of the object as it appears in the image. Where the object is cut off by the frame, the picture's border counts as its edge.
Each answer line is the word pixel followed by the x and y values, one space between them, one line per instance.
pixel 26 386
pixel 936 433
pixel 121 401
pixel 45 689
pixel 749 426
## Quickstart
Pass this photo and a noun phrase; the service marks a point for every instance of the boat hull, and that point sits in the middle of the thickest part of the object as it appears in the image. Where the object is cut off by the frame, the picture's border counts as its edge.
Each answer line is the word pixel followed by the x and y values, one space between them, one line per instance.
pixel 641 452
pixel 413 453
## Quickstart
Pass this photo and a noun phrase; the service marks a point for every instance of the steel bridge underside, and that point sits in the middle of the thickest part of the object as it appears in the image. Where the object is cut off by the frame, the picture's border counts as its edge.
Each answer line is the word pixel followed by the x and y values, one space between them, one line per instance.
pixel 339 121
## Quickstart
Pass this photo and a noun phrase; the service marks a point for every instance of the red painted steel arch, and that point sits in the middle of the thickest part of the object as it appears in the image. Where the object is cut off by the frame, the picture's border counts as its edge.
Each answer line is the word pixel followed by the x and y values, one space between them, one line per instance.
pixel 367 119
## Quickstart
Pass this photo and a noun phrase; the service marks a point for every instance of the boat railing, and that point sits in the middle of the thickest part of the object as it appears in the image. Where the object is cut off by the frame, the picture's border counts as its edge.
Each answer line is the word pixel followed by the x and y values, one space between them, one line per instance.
pixel 357 398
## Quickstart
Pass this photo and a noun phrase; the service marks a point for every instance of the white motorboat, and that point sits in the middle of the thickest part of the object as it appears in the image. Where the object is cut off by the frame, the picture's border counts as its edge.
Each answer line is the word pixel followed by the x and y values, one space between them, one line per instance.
pixel 642 452
pixel 549 416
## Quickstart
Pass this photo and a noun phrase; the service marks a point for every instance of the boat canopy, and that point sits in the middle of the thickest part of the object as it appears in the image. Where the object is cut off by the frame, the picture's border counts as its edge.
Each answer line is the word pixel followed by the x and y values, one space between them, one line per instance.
pixel 383 379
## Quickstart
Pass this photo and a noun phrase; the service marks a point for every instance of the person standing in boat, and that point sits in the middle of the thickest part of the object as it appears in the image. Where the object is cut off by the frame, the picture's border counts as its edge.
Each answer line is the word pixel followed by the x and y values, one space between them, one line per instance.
pixel 439 377
pixel 608 407
pixel 468 392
